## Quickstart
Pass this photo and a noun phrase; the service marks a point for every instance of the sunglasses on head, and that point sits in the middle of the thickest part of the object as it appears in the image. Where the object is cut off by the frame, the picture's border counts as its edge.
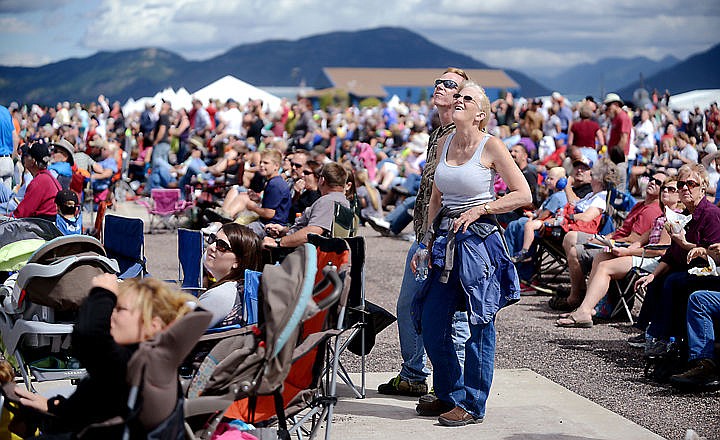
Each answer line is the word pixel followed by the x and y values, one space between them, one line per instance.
pixel 447 83
pixel 296 165
pixel 221 245
pixel 691 184
pixel 670 189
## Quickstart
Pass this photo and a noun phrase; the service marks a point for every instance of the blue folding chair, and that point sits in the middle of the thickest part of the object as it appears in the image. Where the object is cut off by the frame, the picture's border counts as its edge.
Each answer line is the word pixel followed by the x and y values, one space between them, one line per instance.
pixel 191 246
pixel 124 241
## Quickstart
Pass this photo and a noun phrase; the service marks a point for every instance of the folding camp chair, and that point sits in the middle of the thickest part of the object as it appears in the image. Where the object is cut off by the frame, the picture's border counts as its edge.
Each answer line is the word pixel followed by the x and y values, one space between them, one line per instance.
pixel 344 223
pixel 124 241
pixel 191 246
pixel 165 204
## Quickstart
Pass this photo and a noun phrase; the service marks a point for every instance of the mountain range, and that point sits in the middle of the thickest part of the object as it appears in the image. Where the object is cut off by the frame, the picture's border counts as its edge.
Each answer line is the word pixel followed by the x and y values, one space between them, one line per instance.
pixel 605 75
pixel 142 72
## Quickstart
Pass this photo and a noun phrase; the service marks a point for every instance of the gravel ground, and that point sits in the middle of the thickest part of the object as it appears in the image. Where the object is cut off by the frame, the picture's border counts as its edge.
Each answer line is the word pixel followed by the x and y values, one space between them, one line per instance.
pixel 595 363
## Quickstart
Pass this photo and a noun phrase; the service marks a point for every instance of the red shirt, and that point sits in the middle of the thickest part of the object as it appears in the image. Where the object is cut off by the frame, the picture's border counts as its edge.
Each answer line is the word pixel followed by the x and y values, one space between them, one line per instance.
pixel 39 197
pixel 640 219
pixel 620 124
pixel 584 133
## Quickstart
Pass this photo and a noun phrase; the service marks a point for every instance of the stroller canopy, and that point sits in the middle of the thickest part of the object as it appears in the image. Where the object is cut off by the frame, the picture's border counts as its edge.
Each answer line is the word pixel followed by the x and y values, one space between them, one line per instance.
pixel 20 238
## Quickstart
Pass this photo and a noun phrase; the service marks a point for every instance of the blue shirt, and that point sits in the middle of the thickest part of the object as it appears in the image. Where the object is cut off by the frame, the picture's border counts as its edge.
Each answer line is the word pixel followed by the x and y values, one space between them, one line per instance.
pixel 277 196
pixel 69 227
pixel 6 132
pixel 102 184
pixel 557 200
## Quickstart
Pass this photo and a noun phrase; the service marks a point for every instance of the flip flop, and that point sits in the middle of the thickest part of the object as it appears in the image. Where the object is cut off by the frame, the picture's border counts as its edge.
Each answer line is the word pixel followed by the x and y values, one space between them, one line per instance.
pixel 567 315
pixel 572 322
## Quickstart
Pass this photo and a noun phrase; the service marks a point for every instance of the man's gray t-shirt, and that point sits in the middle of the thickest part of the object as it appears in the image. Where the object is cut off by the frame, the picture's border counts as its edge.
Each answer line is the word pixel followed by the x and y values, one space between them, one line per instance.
pixel 321 213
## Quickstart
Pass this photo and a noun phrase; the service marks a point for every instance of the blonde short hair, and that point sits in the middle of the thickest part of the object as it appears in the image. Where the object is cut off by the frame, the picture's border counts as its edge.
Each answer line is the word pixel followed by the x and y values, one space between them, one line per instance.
pixel 483 102
pixel 696 168
pixel 154 298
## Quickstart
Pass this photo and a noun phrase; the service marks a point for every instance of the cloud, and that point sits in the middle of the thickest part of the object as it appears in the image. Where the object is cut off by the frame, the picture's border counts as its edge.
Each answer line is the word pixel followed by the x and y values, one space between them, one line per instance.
pixel 22 6
pixel 13 25
pixel 522 34
pixel 24 59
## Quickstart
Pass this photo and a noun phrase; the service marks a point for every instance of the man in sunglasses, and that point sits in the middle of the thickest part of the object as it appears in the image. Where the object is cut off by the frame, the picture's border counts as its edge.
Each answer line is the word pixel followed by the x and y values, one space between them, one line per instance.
pixel 318 218
pixel 412 380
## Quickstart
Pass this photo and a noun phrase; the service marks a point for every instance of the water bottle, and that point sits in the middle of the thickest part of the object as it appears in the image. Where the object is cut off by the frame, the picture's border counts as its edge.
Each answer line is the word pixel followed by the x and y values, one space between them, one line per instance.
pixel 423 258
pixel 559 217
pixel 672 347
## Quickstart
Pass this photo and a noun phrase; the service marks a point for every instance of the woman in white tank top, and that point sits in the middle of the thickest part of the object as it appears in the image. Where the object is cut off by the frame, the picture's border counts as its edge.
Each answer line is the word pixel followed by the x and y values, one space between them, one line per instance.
pixel 472 267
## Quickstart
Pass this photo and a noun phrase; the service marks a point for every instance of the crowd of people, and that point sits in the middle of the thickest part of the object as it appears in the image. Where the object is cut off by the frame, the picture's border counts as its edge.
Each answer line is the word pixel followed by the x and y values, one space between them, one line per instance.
pixel 482 182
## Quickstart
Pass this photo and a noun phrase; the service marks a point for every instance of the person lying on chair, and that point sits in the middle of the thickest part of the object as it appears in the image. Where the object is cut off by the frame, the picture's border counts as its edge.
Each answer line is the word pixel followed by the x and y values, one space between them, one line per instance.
pixel 112 322
pixel 318 218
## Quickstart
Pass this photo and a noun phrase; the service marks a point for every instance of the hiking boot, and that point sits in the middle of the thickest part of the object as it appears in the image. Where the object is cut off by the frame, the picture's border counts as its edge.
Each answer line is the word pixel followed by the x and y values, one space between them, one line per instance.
pixel 433 408
pixel 401 387
pixel 429 397
pixel 637 341
pixel 458 417
pixel 704 376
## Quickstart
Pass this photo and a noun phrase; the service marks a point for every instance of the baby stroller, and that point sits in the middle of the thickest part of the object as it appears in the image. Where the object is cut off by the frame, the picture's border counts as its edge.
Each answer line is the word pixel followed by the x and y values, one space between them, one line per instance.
pixel 250 365
pixel 39 303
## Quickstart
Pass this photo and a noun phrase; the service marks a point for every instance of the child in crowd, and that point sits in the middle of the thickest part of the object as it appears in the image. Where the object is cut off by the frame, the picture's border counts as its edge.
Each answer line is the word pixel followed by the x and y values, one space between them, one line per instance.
pixel 112 322
pixel 69 218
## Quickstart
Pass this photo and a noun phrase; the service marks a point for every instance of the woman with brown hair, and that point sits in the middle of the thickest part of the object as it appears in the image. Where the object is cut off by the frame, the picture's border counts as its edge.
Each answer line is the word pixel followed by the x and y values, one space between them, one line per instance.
pixel 232 250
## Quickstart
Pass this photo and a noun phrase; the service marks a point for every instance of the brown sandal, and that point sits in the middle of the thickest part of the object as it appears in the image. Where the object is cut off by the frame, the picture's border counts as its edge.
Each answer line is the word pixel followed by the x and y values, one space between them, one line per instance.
pixel 572 322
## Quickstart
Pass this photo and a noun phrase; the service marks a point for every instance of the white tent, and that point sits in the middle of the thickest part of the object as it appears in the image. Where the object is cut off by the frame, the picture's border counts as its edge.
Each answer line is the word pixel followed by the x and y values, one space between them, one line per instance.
pixel 231 87
pixel 699 98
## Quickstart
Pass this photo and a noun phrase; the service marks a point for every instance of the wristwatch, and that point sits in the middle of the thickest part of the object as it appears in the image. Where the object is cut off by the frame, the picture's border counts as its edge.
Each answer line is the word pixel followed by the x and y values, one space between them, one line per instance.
pixel 277 241
pixel 487 209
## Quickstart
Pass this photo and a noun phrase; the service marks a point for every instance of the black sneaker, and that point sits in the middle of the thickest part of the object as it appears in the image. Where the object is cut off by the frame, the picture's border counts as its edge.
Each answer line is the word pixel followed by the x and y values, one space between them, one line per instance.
pixel 637 341
pixel 433 408
pixel 704 376
pixel 398 386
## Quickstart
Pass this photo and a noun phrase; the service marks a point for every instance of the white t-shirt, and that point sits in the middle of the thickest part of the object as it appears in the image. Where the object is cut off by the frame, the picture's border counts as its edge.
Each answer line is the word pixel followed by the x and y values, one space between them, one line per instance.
pixel 233 121
pixel 592 200
pixel 219 300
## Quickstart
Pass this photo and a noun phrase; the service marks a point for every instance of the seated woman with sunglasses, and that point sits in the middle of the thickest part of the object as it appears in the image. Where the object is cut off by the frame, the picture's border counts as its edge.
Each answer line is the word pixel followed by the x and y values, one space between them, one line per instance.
pixel 306 189
pixel 670 285
pixel 615 263
pixel 232 250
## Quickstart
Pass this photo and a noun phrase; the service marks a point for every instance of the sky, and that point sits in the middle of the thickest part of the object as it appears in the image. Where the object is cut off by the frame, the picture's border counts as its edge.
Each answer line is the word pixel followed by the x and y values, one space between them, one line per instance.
pixel 540 38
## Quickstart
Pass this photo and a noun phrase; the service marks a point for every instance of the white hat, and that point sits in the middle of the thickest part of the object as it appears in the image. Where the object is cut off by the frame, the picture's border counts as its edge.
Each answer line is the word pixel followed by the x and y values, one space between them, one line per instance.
pixel 612 97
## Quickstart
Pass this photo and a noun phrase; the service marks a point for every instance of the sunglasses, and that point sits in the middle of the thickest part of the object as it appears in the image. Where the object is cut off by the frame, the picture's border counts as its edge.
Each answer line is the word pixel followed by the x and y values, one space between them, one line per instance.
pixel 670 189
pixel 466 98
pixel 447 83
pixel 221 245
pixel 657 182
pixel 307 172
pixel 689 183
pixel 296 165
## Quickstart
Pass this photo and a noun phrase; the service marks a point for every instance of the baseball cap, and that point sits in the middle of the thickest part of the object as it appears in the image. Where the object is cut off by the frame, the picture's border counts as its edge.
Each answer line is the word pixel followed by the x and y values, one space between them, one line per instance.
pixel 40 152
pixel 583 161
pixel 68 201
pixel 612 97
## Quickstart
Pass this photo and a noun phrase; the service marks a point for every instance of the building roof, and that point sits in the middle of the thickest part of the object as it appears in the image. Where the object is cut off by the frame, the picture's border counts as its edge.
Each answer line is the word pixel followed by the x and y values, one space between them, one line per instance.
pixel 372 81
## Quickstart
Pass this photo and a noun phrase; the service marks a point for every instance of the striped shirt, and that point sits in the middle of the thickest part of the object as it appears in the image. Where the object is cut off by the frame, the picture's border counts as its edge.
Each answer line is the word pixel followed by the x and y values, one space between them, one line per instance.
pixel 421 222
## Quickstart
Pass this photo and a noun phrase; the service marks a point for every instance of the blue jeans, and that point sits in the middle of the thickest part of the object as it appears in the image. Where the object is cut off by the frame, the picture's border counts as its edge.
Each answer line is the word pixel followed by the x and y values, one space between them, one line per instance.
pixel 160 176
pixel 703 308
pixel 515 234
pixel 661 294
pixel 399 217
pixel 414 366
pixel 466 387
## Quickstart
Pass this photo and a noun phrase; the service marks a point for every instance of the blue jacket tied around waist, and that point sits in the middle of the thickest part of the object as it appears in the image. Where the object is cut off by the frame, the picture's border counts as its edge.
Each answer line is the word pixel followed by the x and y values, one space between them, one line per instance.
pixel 487 275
